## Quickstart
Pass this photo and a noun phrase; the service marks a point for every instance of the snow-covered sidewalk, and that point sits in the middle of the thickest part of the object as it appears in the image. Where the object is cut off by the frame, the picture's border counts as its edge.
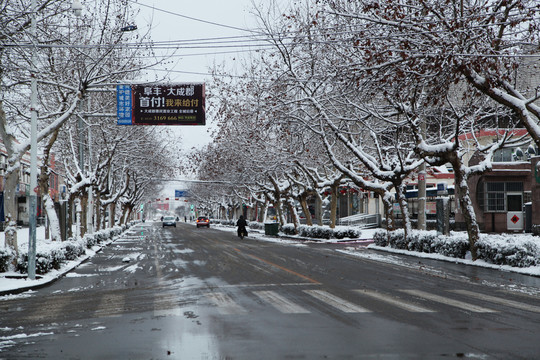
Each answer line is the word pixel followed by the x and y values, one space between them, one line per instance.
pixel 15 282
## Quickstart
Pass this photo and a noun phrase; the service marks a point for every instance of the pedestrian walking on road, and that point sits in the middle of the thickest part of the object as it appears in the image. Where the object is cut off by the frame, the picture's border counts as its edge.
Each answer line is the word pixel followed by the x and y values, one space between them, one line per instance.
pixel 241 223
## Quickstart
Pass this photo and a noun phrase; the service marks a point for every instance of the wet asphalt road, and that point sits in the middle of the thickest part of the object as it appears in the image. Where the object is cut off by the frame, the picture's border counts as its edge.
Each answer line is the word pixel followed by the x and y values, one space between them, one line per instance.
pixel 188 293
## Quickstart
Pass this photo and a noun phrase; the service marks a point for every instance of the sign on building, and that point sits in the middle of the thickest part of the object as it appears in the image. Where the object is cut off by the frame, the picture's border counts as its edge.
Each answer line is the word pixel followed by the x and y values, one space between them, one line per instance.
pixel 180 193
pixel 161 104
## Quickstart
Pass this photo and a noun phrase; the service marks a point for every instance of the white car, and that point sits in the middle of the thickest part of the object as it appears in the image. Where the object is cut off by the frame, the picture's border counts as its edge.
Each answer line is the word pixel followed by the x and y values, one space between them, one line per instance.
pixel 169 221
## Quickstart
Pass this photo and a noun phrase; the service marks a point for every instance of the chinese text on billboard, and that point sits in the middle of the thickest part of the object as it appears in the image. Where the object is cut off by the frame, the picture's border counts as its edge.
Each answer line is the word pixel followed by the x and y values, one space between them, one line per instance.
pixel 163 104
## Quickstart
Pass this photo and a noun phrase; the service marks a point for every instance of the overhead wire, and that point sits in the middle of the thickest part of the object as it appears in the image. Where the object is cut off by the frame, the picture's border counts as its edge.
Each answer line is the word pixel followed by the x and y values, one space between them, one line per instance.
pixel 256 41
pixel 190 17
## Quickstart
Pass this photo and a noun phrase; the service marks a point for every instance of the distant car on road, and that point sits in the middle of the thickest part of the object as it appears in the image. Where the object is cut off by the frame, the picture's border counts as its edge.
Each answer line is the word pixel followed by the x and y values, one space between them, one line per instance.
pixel 203 221
pixel 169 221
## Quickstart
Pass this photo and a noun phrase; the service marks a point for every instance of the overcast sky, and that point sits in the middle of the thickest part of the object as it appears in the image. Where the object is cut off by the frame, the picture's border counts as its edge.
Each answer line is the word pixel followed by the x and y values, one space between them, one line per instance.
pixel 173 20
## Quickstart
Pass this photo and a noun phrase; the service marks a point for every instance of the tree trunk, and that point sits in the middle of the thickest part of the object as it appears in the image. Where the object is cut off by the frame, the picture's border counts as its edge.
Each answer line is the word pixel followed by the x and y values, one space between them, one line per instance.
pixel 43 182
pixel 281 214
pixel 305 209
pixel 333 205
pixel 262 212
pixel 84 209
pixel 294 214
pixel 112 215
pixel 123 216
pixel 319 208
pixel 404 211
pixel 10 210
pixel 127 214
pixel 70 215
pixel 466 207
pixel 388 212
pixel 54 222
pixel 98 211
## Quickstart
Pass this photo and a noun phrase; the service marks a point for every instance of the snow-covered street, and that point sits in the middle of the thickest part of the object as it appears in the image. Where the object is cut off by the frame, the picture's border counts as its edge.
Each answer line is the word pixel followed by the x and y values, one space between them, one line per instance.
pixel 16 282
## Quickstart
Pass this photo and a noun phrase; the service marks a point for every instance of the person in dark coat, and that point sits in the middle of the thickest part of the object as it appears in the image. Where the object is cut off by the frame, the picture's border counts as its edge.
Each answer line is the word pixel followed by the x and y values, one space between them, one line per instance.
pixel 241 223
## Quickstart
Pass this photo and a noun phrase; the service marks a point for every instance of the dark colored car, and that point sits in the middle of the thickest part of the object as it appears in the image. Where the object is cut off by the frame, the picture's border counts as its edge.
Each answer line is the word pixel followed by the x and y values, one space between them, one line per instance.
pixel 169 221
pixel 203 221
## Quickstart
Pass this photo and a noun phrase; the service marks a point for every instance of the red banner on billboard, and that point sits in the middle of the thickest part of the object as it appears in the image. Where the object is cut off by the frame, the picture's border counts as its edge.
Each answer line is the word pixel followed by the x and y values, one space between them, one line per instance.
pixel 168 104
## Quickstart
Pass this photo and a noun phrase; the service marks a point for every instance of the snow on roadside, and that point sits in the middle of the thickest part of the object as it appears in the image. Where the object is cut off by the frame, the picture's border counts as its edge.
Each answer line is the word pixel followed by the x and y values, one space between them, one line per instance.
pixel 18 282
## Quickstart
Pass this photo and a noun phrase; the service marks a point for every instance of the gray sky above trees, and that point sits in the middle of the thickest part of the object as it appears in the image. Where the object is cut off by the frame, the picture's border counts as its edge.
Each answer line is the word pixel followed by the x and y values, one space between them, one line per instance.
pixel 207 32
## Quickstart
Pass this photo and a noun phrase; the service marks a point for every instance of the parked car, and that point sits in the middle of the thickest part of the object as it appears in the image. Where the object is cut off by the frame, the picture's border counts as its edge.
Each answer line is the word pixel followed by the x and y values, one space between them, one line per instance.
pixel 169 221
pixel 203 221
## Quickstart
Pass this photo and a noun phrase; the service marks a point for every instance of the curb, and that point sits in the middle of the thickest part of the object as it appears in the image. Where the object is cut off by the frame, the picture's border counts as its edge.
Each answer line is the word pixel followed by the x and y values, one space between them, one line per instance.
pixel 60 274
pixel 47 282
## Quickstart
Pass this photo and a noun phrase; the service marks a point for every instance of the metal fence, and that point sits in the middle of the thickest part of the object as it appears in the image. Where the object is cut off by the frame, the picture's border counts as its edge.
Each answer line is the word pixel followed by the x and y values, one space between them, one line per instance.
pixel 362 220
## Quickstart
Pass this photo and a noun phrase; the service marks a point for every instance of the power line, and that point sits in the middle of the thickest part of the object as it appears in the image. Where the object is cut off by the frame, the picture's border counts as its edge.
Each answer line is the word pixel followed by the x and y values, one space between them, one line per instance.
pixel 190 17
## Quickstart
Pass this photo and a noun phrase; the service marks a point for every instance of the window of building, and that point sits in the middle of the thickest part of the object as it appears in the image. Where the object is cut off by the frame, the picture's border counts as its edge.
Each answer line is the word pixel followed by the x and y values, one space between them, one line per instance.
pixel 527 197
pixel 494 199
pixel 503 155
pixel 492 196
pixel 510 154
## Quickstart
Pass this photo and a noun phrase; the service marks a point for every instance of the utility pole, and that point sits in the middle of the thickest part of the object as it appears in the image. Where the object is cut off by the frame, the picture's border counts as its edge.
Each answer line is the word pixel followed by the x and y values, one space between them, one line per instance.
pixel 33 152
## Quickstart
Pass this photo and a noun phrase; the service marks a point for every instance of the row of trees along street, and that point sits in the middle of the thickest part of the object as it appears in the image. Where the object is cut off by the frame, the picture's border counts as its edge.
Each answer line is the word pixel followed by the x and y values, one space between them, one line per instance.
pixel 366 92
pixel 78 62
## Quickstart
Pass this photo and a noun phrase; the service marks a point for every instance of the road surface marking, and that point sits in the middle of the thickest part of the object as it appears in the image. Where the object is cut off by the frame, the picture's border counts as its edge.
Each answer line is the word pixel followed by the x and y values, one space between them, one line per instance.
pixel 111 305
pixel 281 268
pixel 336 302
pixel 497 300
pixel 52 308
pixel 447 301
pixel 394 301
pixel 225 304
pixel 280 303
pixel 265 285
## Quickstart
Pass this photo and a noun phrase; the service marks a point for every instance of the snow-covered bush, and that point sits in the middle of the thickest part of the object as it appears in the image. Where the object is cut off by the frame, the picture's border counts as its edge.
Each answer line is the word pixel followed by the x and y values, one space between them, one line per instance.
pixel 321 232
pixel 503 249
pixel 256 225
pixel 455 246
pixel 74 249
pixel 517 251
pixel 225 222
pixel 46 260
pixel 103 235
pixel 51 255
pixel 380 238
pixel 98 237
pixel 316 232
pixel 395 239
pixel 117 231
pixel 288 229
pixel 90 240
pixel 6 257
pixel 341 232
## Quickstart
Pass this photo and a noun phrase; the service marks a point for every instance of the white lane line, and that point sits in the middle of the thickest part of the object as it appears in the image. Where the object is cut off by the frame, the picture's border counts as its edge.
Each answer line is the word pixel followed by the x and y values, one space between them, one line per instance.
pixel 394 301
pixel 336 302
pixel 280 303
pixel 225 304
pixel 447 301
pixel 497 300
